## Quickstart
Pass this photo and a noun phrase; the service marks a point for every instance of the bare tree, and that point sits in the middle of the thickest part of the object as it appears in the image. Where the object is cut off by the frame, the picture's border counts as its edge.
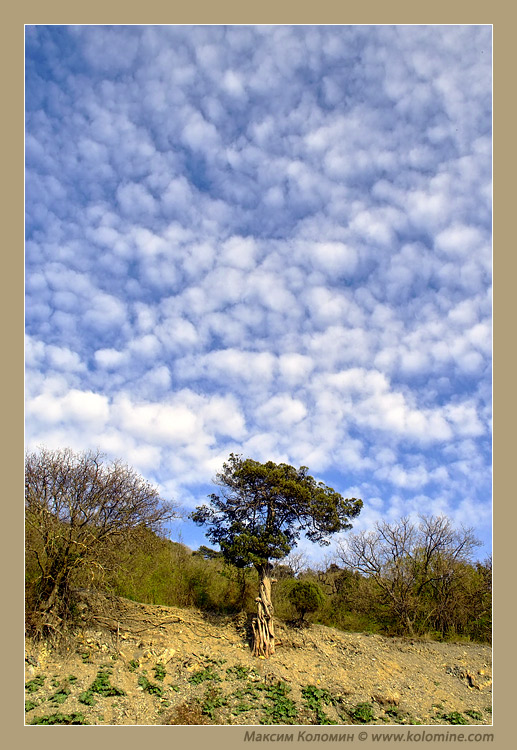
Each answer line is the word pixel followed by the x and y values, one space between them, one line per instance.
pixel 409 561
pixel 78 506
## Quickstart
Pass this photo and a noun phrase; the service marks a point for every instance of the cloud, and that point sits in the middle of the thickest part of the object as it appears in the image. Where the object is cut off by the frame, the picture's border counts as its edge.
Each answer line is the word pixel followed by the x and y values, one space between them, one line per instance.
pixel 273 240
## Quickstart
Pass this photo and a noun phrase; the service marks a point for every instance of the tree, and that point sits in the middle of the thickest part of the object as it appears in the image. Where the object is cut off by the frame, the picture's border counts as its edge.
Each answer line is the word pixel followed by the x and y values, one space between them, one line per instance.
pixel 78 507
pixel 413 565
pixel 258 517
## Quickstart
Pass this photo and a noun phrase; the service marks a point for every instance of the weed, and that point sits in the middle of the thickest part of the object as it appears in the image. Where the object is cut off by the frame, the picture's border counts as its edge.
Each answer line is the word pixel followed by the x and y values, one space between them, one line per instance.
pixel 100 686
pixel 477 715
pixel 203 675
pixel 159 671
pixel 394 713
pixel 150 687
pixel 314 697
pixel 488 709
pixel 133 665
pixel 60 696
pixel 212 700
pixel 33 685
pixel 175 688
pixel 281 709
pixel 86 657
pixel 454 718
pixel 29 705
pixel 54 683
pixel 60 719
pixel 239 672
pixel 72 678
pixel 362 713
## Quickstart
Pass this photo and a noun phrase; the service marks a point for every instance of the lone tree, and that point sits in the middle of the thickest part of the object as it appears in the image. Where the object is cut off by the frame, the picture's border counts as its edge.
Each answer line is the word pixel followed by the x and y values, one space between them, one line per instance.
pixel 77 508
pixel 258 517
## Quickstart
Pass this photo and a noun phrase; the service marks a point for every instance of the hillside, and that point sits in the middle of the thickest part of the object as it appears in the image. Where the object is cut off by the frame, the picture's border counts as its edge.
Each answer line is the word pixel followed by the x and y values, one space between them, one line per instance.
pixel 139 664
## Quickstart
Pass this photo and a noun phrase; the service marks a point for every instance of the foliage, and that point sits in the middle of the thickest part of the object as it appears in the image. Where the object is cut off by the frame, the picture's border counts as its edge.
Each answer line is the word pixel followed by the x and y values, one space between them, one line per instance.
pixel 150 687
pixel 213 699
pixel 203 675
pixel 60 719
pixel 78 507
pixel 159 671
pixel 419 571
pixel 280 709
pixel 263 508
pixel 362 713
pixel 454 718
pixel 314 697
pixel 33 685
pixel 477 715
pixel 100 686
pixel 306 597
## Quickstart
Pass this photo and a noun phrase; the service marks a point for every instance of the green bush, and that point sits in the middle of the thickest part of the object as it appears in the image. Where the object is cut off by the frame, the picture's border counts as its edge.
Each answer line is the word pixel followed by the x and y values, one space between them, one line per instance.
pixel 306 597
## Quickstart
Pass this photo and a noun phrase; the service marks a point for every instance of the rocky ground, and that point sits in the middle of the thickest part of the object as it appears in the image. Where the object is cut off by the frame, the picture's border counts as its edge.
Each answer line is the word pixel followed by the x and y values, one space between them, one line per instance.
pixel 143 665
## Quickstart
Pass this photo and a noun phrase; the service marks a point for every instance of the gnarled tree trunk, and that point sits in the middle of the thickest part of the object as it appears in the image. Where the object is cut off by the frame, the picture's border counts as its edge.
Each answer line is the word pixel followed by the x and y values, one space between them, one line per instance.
pixel 262 625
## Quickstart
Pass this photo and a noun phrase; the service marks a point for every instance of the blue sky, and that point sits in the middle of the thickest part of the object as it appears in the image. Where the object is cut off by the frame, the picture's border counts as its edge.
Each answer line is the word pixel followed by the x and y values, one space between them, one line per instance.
pixel 268 240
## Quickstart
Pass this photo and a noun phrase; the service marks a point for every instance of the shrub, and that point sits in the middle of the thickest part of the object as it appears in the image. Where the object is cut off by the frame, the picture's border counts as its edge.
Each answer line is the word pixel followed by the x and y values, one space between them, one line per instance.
pixel 306 597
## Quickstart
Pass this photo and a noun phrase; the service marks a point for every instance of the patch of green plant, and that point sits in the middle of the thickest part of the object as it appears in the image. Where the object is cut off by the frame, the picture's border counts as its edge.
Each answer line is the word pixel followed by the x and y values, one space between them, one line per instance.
pixel 240 672
pixel 362 713
pixel 159 671
pixel 54 683
pixel 394 713
pixel 100 686
pixel 72 678
pixel 488 709
pixel 86 657
pixel 454 717
pixel 213 699
pixel 60 719
pixel 314 697
pixel 133 665
pixel 477 715
pixel 29 705
pixel 33 685
pixel 60 695
pixel 150 687
pixel 280 709
pixel 247 698
pixel 203 675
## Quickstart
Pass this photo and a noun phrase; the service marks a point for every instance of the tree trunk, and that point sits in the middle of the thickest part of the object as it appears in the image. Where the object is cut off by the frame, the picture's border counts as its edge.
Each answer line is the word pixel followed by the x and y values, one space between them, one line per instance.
pixel 262 625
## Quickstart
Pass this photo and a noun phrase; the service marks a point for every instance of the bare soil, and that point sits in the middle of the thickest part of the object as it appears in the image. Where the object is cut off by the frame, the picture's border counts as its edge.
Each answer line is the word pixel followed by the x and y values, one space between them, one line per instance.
pixel 175 666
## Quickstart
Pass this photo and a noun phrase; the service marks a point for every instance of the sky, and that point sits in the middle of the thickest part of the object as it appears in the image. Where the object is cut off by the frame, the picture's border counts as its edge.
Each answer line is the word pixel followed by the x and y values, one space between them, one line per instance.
pixel 267 240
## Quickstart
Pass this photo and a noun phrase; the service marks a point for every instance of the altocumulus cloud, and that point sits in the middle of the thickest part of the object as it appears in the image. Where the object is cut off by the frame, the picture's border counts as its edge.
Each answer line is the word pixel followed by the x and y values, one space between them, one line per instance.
pixel 268 240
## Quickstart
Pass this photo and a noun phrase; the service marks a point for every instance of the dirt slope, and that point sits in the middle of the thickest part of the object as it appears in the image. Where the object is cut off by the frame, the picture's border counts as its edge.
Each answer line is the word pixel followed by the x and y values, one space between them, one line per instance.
pixel 141 664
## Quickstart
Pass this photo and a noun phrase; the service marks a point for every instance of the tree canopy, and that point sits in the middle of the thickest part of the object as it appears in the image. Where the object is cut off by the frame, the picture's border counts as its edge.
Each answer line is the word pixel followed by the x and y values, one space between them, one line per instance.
pixel 77 506
pixel 263 508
